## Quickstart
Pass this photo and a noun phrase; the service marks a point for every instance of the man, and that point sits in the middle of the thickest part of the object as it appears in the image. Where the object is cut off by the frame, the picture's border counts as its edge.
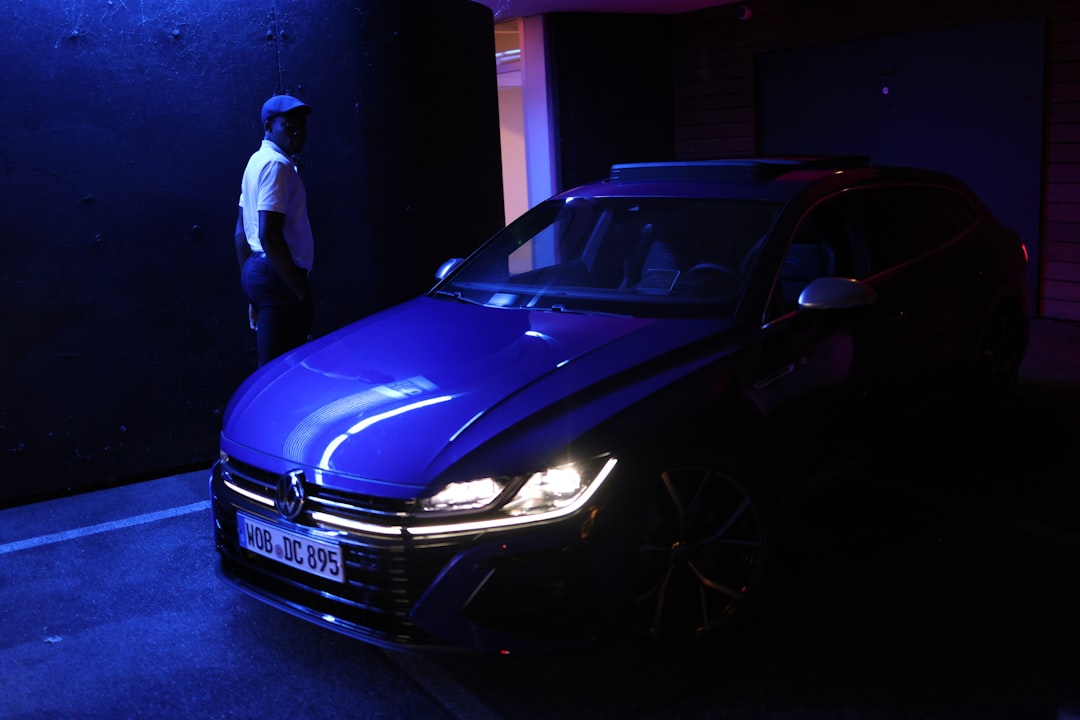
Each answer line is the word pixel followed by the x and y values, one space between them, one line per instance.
pixel 273 236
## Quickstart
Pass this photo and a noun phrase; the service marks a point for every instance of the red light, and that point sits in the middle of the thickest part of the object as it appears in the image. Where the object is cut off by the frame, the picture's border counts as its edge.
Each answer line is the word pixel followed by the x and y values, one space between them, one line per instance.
pixel 1023 247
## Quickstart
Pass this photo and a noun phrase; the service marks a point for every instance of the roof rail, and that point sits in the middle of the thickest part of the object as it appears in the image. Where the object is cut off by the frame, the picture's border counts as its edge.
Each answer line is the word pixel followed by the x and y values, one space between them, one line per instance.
pixel 741 169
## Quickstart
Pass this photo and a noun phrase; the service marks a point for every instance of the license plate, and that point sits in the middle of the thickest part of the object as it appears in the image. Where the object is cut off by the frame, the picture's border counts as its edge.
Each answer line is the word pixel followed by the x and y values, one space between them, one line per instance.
pixel 289 548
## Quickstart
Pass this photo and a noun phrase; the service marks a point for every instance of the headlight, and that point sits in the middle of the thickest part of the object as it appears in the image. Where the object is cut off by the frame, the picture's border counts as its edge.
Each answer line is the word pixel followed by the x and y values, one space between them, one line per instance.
pixel 544 495
pixel 547 490
pixel 464 495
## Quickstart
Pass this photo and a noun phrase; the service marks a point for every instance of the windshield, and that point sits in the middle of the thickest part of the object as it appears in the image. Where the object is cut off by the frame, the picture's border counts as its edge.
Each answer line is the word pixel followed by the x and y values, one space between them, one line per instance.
pixel 644 257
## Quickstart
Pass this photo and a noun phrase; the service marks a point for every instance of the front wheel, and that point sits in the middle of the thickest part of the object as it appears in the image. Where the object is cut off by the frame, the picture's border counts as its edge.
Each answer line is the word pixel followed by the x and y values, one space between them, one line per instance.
pixel 702 552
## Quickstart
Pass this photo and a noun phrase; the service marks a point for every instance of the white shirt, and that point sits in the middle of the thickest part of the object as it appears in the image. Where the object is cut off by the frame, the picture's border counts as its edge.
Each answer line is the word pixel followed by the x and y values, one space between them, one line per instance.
pixel 272 182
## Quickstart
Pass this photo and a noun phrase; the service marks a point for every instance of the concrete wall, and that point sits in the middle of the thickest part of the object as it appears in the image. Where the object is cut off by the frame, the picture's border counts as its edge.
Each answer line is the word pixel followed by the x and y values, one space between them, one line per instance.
pixel 123 330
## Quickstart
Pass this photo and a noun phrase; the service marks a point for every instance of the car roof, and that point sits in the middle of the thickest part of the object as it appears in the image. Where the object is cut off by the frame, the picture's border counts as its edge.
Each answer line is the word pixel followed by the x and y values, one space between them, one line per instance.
pixel 776 178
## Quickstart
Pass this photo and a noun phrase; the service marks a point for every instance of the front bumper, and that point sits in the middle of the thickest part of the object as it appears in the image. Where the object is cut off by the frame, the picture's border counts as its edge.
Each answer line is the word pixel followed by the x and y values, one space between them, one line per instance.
pixel 527 589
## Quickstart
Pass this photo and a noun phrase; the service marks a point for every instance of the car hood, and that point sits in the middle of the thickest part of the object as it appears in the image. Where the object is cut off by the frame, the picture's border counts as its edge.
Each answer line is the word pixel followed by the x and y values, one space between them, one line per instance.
pixel 386 405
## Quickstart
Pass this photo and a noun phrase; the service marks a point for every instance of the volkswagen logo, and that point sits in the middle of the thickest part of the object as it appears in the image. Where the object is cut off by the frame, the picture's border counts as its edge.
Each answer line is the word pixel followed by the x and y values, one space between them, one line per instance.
pixel 289 498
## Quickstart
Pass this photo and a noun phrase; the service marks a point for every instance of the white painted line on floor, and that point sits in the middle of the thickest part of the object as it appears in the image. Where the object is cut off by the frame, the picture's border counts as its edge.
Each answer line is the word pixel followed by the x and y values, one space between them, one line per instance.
pixel 103 527
pixel 458 701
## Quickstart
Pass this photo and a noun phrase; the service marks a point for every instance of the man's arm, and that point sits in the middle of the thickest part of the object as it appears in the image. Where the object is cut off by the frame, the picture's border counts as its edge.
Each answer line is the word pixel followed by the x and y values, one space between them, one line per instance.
pixel 243 250
pixel 272 236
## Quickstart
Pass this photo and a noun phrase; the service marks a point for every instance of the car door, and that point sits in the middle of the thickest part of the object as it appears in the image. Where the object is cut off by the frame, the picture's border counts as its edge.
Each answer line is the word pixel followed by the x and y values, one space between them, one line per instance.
pixel 800 376
pixel 845 369
pixel 911 243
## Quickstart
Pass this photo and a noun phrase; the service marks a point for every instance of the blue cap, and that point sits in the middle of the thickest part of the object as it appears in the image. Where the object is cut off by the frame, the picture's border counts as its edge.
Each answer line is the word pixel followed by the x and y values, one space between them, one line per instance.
pixel 281 104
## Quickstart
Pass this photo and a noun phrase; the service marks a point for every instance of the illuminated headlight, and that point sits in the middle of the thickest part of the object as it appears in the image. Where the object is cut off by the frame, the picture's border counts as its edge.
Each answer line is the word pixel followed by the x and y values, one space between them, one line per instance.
pixel 547 490
pixel 544 495
pixel 464 495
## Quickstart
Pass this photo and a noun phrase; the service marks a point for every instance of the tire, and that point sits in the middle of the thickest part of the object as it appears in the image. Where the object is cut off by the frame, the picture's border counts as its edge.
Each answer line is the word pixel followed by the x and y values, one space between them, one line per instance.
pixel 1004 341
pixel 702 551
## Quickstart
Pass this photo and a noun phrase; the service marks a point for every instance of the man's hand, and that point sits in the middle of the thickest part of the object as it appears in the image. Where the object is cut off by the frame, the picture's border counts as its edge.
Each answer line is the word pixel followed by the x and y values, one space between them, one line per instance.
pixel 253 317
pixel 272 237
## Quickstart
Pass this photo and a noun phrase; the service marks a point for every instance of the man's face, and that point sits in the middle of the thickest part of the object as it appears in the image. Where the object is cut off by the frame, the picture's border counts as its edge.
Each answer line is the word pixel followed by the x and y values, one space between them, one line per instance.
pixel 288 131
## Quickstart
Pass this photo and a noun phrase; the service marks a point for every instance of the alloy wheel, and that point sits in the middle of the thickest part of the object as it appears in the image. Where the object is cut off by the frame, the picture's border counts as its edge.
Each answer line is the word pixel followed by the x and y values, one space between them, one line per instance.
pixel 702 553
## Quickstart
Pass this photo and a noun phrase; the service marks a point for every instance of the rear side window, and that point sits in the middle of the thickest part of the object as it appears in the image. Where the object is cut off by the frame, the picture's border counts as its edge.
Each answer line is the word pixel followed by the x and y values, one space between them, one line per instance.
pixel 899 223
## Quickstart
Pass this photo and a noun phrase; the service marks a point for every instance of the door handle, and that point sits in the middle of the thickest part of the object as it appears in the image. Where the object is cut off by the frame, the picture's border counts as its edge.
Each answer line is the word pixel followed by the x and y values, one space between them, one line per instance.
pixel 779 374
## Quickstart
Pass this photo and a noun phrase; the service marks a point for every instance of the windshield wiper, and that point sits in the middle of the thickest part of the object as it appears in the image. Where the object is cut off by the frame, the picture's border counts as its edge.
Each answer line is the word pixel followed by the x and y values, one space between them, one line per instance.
pixel 456 295
pixel 562 309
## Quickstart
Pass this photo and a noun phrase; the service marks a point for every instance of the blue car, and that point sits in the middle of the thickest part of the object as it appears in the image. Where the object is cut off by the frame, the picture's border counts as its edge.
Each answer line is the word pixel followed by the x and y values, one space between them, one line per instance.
pixel 585 428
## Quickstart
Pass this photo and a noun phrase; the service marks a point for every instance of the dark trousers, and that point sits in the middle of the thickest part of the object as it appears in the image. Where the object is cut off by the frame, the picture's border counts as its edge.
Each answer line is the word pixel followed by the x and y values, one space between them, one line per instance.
pixel 284 321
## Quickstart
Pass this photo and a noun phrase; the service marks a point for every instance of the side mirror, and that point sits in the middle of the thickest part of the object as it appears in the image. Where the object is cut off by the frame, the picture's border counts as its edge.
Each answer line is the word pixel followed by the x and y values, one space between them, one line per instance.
pixel 447 267
pixel 828 293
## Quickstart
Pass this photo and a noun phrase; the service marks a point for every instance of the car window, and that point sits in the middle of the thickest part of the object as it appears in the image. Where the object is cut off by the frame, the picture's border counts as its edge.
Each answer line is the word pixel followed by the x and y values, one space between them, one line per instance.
pixel 640 256
pixel 895 224
pixel 862 232
pixel 820 247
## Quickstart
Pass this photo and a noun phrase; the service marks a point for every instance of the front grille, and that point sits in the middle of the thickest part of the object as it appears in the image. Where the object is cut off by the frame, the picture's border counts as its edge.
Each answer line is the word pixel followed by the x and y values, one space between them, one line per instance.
pixel 353 506
pixel 385 576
